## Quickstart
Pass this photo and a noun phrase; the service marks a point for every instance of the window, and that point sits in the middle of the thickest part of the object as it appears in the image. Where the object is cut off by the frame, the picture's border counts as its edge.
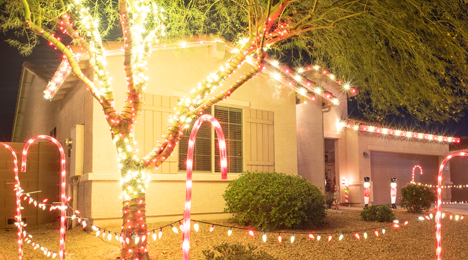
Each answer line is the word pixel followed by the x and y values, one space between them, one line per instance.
pixel 204 158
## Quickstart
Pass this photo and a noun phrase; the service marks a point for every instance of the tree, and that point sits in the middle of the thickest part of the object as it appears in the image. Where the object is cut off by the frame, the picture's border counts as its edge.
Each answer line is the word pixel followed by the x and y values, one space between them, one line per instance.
pixel 404 56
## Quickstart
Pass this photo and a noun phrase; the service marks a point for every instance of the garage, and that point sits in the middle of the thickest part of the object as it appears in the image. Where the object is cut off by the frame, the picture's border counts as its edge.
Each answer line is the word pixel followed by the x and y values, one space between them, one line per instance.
pixel 385 165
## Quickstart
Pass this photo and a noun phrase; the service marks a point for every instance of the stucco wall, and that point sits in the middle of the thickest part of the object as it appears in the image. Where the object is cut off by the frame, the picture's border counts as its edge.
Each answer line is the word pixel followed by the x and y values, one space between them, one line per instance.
pixel 175 73
pixel 310 143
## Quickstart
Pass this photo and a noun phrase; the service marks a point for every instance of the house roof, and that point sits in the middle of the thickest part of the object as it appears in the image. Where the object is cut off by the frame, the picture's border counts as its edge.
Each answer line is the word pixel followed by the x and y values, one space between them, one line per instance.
pixel 45 71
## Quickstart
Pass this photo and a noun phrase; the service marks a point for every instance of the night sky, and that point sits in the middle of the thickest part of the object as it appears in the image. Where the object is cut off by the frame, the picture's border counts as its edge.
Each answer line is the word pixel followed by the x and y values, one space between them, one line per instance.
pixel 10 73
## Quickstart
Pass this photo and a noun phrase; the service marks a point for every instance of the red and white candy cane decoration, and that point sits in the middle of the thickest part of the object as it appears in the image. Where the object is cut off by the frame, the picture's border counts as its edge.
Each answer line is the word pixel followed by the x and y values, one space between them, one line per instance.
pixel 63 196
pixel 344 181
pixel 414 168
pixel 188 183
pixel 18 202
pixel 438 216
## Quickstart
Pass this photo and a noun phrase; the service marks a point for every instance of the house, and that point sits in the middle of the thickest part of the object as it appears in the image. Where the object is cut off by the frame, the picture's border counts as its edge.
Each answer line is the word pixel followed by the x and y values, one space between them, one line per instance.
pixel 282 120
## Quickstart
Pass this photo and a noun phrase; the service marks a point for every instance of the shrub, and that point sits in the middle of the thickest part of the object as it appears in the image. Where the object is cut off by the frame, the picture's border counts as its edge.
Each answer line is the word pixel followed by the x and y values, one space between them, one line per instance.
pixel 416 198
pixel 274 200
pixel 227 251
pixel 378 213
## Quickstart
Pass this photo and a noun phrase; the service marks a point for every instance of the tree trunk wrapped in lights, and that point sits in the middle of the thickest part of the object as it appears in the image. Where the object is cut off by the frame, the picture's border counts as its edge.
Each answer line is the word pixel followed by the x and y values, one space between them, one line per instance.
pixel 395 57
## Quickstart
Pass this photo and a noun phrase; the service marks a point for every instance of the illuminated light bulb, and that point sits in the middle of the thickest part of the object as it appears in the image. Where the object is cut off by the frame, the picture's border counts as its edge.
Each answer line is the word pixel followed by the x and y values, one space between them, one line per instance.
pixel 137 239
pixel 457 217
pixel 302 91
pixel 341 237
pixel 383 231
pixel 421 218
pixel 251 233
pixel 276 76
pixel 365 235
pixel 160 234
pixel 109 236
pixel 280 238
pixel 318 90
pixel 154 235
pixel 311 236
pixel 335 101
pixel 211 228
pixel 300 70
pixel 264 237
pixel 431 216
pixel 98 232
pixel 356 235
pixel 376 233
pixel 175 229
pixel 330 238
pixel 230 232
pixel 346 86
pixel 275 63
pixel 292 239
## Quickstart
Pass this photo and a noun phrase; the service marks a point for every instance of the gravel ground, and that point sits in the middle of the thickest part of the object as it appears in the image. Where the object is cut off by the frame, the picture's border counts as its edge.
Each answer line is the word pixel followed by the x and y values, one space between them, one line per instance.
pixel 414 241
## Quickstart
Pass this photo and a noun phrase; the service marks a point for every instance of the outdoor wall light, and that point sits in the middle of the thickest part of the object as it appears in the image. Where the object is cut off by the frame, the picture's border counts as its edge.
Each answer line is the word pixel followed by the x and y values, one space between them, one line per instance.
pixel 393 191
pixel 366 191
pixel 366 155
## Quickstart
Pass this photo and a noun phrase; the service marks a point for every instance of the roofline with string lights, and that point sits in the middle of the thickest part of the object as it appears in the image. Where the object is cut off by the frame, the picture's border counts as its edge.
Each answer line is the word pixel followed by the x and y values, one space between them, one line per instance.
pixel 385 131
pixel 291 78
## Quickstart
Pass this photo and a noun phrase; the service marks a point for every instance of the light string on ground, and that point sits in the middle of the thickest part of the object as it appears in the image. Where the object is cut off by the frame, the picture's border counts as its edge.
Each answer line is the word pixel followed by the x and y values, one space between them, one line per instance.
pixel 47 252
pixel 452 186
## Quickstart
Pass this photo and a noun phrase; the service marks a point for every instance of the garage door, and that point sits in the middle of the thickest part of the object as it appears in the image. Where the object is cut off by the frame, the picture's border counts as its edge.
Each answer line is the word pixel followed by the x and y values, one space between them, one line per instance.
pixel 387 165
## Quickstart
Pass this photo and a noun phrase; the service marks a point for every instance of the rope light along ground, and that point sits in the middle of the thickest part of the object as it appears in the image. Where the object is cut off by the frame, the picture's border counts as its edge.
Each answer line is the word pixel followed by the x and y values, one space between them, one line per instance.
pixel 188 185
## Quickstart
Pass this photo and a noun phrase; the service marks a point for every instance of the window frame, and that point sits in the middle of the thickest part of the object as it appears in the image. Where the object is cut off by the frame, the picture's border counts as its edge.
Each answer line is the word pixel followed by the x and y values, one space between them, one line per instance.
pixel 213 143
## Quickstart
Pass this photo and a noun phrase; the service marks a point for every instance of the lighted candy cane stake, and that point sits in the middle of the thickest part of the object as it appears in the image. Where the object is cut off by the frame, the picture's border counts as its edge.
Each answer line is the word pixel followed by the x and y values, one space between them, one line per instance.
pixel 63 197
pixel 439 201
pixel 414 168
pixel 344 181
pixel 188 183
pixel 18 202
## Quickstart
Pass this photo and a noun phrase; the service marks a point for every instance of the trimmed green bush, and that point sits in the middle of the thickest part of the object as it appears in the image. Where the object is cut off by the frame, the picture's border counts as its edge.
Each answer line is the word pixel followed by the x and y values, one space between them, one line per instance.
pixel 378 213
pixel 416 199
pixel 227 251
pixel 274 200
